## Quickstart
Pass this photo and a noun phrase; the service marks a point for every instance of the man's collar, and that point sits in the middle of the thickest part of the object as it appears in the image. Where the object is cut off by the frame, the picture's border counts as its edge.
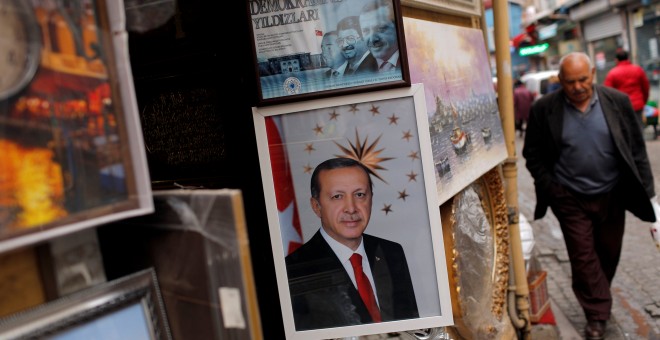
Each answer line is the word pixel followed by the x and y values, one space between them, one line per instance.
pixel 594 98
pixel 393 59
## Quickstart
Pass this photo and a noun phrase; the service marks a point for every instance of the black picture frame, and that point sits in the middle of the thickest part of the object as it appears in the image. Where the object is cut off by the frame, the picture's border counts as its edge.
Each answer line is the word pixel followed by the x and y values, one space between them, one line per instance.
pixel 135 298
pixel 291 35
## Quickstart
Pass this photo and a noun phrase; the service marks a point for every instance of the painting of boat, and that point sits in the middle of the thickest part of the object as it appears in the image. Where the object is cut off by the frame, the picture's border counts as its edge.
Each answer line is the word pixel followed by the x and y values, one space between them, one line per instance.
pixel 460 140
pixel 486 134
pixel 442 166
pixel 460 100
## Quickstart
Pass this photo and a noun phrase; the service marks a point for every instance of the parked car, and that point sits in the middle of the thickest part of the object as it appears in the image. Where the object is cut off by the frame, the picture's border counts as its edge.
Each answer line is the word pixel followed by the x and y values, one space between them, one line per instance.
pixel 538 82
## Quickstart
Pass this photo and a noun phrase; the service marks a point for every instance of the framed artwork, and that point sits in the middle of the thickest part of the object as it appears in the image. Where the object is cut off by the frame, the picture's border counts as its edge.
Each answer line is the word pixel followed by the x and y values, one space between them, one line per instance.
pixel 314 49
pixel 463 115
pixel 379 138
pixel 461 7
pixel 70 135
pixel 198 244
pixel 127 308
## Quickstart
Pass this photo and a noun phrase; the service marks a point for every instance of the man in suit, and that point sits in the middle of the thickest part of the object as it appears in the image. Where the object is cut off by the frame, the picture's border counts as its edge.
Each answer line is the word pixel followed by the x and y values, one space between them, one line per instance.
pixel 332 56
pixel 379 32
pixel 327 290
pixel 349 38
pixel 585 149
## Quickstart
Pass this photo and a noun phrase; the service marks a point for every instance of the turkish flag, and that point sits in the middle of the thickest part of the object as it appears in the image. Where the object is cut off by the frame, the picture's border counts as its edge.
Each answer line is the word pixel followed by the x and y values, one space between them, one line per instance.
pixel 284 191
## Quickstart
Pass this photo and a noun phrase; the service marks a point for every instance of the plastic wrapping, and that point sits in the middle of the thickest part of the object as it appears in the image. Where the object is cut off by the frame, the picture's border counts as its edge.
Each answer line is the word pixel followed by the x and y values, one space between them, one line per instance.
pixel 197 242
pixel 655 227
pixel 477 222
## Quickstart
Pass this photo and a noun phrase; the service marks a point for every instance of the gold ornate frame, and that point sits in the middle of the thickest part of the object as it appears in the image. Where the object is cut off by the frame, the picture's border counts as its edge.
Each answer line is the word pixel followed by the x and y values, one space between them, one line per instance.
pixel 491 279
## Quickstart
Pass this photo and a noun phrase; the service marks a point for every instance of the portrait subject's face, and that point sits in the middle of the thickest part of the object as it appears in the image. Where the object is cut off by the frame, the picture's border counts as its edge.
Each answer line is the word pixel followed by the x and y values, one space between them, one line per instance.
pixel 352 45
pixel 331 52
pixel 344 204
pixel 379 32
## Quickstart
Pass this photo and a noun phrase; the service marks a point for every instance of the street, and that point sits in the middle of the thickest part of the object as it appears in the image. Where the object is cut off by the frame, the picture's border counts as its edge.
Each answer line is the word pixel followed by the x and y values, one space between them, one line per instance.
pixel 636 285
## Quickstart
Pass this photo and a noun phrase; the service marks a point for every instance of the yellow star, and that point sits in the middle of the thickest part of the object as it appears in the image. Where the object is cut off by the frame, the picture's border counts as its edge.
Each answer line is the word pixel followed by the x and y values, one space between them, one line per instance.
pixel 374 110
pixel 307 169
pixel 393 120
pixel 412 176
pixel 407 135
pixel 387 208
pixel 334 115
pixel 318 129
pixel 353 108
pixel 413 155
pixel 403 194
pixel 364 153
pixel 309 147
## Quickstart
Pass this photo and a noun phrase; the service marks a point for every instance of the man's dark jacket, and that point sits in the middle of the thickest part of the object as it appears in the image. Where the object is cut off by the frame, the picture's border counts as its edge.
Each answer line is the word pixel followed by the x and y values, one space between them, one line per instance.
pixel 323 295
pixel 543 144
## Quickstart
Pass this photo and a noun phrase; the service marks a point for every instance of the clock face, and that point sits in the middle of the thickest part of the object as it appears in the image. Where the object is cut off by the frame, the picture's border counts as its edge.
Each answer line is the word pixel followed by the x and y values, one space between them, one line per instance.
pixel 20 46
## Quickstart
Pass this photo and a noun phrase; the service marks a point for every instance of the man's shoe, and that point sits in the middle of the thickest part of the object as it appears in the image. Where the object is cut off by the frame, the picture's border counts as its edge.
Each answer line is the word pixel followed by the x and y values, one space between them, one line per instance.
pixel 595 330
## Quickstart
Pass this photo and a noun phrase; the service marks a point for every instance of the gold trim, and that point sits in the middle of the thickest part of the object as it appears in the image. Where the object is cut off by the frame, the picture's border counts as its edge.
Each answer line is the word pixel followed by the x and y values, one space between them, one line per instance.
pixel 470 322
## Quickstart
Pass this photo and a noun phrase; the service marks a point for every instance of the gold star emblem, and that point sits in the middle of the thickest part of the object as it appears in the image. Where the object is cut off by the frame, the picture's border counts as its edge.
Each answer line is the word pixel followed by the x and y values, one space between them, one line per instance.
pixel 387 208
pixel 353 108
pixel 374 110
pixel 318 129
pixel 334 115
pixel 309 147
pixel 413 155
pixel 412 176
pixel 403 194
pixel 364 153
pixel 308 169
pixel 407 135
pixel 393 120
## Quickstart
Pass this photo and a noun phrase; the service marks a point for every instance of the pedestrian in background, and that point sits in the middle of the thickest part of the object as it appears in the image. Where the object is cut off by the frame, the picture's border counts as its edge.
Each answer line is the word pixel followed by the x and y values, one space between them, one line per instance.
pixel 588 158
pixel 631 80
pixel 650 116
pixel 522 103
pixel 553 84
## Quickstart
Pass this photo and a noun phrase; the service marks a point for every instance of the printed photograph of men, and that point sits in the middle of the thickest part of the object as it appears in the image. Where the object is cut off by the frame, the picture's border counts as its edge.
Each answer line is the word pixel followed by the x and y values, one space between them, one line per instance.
pixel 361 240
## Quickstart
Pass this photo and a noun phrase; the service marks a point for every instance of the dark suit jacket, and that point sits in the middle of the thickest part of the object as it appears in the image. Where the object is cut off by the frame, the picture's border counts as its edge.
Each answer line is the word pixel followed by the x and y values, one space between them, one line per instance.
pixel 323 295
pixel 543 144
pixel 368 65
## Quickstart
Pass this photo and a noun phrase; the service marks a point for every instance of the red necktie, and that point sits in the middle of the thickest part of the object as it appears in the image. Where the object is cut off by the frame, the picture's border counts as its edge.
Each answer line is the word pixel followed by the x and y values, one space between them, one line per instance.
pixel 364 287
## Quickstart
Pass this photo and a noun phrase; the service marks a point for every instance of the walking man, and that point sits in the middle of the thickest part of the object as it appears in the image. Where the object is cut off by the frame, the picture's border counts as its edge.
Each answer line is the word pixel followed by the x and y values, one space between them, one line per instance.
pixel 585 150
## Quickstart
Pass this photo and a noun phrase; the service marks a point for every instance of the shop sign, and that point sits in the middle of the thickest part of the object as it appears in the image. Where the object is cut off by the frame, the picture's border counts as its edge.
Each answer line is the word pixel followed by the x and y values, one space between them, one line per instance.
pixel 533 49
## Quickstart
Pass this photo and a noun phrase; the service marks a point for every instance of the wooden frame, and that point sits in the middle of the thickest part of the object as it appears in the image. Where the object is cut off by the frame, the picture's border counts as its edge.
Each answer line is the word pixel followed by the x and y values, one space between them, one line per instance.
pixel 287 49
pixel 129 308
pixel 388 133
pixel 73 154
pixel 460 7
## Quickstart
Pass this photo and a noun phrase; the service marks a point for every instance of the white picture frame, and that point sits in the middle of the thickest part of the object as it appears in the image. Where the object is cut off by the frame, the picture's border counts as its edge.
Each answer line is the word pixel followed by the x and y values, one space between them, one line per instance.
pixel 399 137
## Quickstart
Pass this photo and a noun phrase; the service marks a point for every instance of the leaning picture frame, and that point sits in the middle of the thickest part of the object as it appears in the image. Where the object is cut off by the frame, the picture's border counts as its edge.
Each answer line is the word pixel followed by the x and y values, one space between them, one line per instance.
pixel 130 307
pixel 315 49
pixel 70 136
pixel 387 133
